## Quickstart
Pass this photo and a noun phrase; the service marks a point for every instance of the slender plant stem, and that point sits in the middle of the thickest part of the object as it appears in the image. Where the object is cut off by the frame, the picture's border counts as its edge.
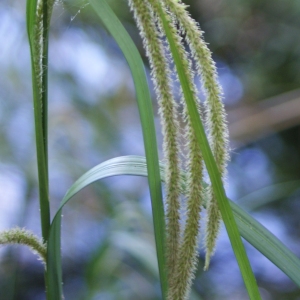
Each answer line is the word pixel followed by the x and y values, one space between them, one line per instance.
pixel 38 39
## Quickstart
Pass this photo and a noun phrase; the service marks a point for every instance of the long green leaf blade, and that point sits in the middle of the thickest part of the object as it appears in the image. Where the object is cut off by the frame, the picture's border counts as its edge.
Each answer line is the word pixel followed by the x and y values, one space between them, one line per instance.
pixel 30 17
pixel 116 29
pixel 134 60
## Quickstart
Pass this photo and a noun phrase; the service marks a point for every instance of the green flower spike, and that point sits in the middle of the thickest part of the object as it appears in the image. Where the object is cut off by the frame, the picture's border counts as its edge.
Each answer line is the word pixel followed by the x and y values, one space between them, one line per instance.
pixel 39 39
pixel 24 237
pixel 214 111
pixel 187 261
pixel 38 47
pixel 167 14
pixel 168 113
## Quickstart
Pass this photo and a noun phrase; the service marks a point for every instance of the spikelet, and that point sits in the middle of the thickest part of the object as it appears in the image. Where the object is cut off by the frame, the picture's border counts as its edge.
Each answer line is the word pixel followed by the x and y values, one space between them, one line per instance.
pixel 168 113
pixel 182 254
pixel 38 48
pixel 186 264
pixel 187 260
pixel 24 237
pixel 215 113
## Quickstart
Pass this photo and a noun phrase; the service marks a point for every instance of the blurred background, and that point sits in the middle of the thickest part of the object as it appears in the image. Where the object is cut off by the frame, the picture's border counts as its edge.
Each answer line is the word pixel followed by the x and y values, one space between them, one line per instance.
pixel 107 240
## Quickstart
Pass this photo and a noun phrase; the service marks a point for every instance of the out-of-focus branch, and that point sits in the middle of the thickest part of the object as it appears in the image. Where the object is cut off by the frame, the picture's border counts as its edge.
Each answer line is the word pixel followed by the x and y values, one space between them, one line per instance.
pixel 251 122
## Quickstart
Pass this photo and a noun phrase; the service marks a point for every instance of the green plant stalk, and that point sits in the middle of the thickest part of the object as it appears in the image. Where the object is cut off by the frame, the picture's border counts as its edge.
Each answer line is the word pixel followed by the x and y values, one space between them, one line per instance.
pixel 227 215
pixel 40 111
pixel 39 55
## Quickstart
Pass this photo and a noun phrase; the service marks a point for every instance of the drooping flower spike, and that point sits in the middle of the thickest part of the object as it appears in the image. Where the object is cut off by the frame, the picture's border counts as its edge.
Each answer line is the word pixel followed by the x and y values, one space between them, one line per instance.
pixel 214 111
pixel 38 37
pixel 187 257
pixel 168 111
pixel 182 254
pixel 26 238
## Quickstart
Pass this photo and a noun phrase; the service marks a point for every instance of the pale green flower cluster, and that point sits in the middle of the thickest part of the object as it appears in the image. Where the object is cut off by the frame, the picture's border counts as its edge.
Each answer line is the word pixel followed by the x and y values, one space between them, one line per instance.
pixel 167 109
pixel 24 237
pixel 214 112
pixel 39 47
pixel 182 242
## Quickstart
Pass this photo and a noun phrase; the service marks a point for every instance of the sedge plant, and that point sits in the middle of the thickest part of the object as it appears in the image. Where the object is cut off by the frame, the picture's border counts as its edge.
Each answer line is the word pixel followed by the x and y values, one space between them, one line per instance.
pixel 191 150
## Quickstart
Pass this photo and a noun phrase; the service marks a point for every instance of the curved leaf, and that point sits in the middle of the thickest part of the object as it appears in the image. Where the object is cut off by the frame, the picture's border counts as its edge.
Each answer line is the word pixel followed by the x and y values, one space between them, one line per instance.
pixel 249 228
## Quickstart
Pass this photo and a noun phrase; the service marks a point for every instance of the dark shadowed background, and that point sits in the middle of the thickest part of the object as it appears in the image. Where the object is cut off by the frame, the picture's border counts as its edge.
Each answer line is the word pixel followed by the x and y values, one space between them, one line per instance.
pixel 107 241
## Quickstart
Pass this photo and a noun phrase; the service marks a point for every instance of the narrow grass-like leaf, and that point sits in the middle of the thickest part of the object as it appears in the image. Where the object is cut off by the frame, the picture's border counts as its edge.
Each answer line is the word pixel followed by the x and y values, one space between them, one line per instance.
pixel 227 215
pixel 134 60
pixel 265 242
pixel 116 29
pixel 249 228
pixel 30 18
